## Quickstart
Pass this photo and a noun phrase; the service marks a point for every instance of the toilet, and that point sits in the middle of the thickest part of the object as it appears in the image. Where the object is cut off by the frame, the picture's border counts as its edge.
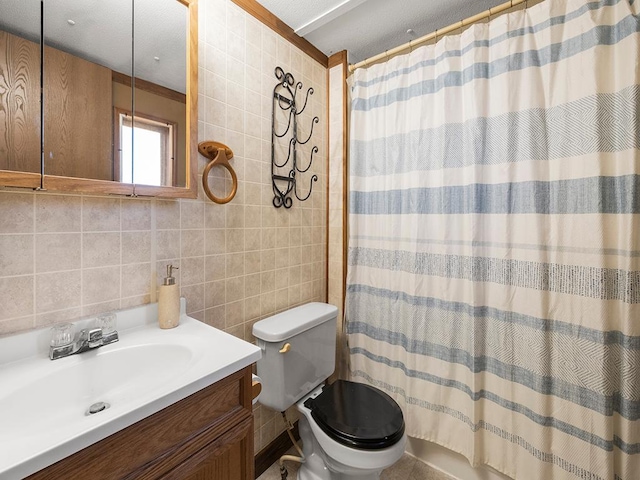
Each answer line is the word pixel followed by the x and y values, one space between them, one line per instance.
pixel 348 430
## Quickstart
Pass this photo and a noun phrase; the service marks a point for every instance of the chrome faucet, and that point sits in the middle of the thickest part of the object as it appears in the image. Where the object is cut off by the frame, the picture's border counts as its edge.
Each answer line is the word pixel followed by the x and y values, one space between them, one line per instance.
pixel 62 344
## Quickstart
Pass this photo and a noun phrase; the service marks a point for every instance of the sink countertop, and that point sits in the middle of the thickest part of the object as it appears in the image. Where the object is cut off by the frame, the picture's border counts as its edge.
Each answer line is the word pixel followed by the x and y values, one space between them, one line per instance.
pixel 43 403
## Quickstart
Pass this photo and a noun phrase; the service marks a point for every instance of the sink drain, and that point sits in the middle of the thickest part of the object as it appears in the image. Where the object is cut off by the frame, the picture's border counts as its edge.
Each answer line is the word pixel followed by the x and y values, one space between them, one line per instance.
pixel 97 407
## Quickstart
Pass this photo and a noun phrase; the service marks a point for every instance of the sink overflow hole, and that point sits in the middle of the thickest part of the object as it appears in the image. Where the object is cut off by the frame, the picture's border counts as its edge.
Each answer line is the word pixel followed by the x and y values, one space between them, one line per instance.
pixel 97 407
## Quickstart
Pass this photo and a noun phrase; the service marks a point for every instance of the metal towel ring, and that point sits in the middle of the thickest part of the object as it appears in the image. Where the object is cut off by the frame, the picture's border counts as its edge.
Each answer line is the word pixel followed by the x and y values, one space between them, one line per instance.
pixel 219 154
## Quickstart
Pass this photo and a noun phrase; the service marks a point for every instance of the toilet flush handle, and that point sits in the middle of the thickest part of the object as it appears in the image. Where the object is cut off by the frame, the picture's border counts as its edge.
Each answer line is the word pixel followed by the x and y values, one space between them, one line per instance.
pixel 285 348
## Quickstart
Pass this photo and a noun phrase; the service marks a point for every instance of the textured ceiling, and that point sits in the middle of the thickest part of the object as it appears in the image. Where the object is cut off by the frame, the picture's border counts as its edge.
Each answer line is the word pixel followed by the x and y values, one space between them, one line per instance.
pixel 366 28
pixel 101 33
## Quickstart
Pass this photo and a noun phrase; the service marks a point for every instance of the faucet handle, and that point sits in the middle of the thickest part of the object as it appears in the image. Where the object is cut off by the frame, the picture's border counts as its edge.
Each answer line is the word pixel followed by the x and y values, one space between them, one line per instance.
pixel 107 323
pixel 62 335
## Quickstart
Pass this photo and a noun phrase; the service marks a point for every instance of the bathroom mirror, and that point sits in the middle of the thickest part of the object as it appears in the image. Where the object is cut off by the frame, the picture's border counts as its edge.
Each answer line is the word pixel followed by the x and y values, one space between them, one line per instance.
pixel 120 93
pixel 20 159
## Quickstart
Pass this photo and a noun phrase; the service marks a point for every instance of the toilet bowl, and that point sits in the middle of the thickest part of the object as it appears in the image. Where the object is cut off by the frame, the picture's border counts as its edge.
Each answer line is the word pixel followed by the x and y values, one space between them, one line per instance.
pixel 339 450
pixel 348 430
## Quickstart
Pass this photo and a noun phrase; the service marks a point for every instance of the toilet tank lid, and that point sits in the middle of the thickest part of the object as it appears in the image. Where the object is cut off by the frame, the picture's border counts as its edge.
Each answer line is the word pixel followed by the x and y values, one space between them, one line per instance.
pixel 292 322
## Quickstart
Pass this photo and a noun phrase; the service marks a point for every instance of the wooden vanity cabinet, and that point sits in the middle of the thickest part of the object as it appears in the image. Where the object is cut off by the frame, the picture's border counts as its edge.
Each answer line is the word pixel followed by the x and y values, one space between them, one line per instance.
pixel 206 436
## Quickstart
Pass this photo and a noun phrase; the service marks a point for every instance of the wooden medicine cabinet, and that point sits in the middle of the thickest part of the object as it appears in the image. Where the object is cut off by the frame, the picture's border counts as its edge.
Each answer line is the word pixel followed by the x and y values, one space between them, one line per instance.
pixel 117 112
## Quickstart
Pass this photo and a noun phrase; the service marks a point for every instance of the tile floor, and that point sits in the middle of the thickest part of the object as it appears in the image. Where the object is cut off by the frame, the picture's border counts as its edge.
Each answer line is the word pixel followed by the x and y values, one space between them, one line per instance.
pixel 407 468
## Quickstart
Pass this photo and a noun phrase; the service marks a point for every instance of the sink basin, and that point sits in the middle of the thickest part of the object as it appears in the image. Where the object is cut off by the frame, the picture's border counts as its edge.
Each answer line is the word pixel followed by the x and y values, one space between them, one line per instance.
pixel 44 404
pixel 97 376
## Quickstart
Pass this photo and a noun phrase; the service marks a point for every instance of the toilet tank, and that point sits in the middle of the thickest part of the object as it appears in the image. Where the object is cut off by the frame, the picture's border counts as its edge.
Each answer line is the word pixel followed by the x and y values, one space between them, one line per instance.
pixel 310 331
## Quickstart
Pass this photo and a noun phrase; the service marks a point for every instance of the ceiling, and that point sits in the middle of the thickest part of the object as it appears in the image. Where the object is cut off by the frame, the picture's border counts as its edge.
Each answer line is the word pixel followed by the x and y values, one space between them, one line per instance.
pixel 367 27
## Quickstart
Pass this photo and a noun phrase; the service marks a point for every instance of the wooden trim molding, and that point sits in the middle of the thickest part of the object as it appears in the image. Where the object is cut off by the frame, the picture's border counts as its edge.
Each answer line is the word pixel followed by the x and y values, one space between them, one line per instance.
pixel 82 185
pixel 192 102
pixel 337 59
pixel 253 8
pixel 327 171
pixel 19 179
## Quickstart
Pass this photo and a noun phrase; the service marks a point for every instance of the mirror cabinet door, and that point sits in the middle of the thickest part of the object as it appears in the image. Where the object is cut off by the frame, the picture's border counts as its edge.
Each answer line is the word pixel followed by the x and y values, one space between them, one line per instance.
pixel 20 136
pixel 87 59
pixel 160 103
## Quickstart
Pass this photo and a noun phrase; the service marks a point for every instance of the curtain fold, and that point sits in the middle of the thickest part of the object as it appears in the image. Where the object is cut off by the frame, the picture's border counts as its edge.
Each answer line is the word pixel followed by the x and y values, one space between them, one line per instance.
pixel 493 283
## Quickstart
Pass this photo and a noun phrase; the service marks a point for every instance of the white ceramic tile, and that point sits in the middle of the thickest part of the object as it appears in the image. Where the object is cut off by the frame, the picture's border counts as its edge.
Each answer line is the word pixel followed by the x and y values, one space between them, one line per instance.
pixel 16 297
pixel 236 19
pixel 100 214
pixel 216 35
pixel 136 279
pixel 214 267
pixel 16 212
pixel 191 214
pixel 235 46
pixel 215 241
pixel 167 244
pixel 192 270
pixel 234 289
pixel 57 291
pixel 100 285
pixel 58 251
pixel 136 214
pixel 191 243
pixel 269 42
pixel 136 247
pixel 16 255
pixel 100 249
pixel 58 213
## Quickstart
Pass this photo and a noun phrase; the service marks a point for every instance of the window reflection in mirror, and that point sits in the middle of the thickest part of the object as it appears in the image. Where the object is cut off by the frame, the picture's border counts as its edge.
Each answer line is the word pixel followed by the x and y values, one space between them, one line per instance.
pixel 154 150
pixel 160 66
pixel 20 85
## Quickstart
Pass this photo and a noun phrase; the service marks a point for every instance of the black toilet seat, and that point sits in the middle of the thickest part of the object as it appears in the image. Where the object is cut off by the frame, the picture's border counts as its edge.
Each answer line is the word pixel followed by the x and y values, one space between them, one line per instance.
pixel 357 415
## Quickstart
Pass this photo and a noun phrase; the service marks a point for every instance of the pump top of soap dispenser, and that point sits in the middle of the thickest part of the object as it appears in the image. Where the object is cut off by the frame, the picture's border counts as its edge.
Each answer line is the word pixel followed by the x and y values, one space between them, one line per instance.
pixel 170 279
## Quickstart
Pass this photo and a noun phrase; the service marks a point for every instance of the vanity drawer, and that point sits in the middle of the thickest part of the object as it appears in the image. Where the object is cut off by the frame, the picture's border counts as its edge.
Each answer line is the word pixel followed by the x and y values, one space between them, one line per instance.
pixel 153 447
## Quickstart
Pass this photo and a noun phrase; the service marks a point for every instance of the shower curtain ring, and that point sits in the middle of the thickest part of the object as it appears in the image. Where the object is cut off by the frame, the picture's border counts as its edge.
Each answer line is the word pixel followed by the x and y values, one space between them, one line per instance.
pixel 410 47
pixel 436 35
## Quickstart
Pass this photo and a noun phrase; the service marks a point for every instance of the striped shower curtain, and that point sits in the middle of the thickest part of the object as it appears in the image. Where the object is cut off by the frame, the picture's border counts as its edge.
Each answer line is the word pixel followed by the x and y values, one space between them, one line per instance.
pixel 494 239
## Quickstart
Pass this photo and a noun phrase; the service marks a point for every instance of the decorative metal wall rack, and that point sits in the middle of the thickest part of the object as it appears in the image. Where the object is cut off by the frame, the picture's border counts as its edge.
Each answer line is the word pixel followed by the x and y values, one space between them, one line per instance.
pixel 285 102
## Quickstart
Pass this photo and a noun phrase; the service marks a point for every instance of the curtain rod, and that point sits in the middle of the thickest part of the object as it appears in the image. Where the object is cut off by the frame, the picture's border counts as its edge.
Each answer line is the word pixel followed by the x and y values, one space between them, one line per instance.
pixel 439 32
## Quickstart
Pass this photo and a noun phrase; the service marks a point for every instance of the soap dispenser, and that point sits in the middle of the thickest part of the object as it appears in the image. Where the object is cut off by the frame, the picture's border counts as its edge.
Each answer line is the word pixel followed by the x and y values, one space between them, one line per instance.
pixel 169 301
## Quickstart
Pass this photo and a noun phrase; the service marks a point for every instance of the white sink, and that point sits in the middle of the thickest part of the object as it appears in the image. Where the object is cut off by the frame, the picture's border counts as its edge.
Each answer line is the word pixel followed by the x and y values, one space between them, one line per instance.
pixel 44 404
